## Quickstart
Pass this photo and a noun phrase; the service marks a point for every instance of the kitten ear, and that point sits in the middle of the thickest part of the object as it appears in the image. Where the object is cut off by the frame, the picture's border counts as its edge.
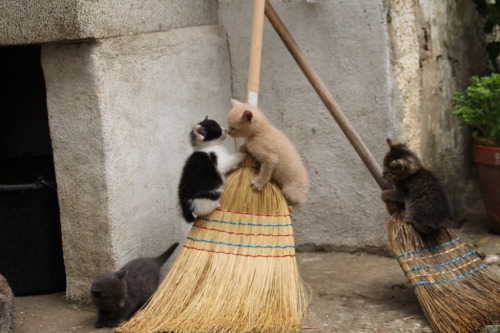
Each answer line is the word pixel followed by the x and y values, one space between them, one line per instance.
pixel 205 118
pixel 199 132
pixel 390 142
pixel 235 103
pixel 247 115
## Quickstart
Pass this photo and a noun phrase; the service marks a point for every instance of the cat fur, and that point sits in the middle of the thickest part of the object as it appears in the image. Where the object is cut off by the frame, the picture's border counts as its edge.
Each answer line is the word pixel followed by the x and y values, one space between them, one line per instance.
pixel 202 180
pixel 276 154
pixel 425 201
pixel 120 294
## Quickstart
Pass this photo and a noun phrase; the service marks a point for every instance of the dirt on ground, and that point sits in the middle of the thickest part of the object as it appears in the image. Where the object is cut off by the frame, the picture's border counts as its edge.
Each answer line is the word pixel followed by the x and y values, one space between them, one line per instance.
pixel 349 293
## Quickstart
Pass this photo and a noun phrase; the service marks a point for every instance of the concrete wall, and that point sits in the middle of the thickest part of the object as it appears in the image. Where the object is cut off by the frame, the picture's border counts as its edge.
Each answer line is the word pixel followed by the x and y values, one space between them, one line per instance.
pixel 120 110
pixel 347 43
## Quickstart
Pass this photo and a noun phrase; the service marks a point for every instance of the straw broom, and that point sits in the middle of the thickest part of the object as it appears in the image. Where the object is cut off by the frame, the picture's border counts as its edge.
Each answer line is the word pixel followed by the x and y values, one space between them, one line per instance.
pixel 456 290
pixel 237 271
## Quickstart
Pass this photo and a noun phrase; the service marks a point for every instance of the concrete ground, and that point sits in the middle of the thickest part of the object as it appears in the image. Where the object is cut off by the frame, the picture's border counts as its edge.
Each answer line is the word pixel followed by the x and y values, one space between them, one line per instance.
pixel 350 293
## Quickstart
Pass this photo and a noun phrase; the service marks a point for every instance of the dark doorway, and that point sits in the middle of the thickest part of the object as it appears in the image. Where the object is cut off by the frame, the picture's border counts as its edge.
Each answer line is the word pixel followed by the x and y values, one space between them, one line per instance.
pixel 31 257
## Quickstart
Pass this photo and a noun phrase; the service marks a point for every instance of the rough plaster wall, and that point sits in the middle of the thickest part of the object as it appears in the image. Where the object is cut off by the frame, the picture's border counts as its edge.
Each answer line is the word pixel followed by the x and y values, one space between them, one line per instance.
pixel 404 34
pixel 37 21
pixel 79 159
pixel 436 48
pixel 348 44
pixel 120 110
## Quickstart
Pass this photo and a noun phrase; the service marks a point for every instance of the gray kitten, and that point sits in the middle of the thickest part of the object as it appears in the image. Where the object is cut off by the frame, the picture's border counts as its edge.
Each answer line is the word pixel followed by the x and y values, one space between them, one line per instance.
pixel 6 306
pixel 425 201
pixel 119 295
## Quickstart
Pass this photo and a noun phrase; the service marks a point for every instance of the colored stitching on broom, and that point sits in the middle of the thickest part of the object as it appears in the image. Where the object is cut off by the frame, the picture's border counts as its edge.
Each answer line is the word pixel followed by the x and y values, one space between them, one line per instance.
pixel 241 245
pixel 434 255
pixel 241 254
pixel 445 272
pixel 429 250
pixel 242 233
pixel 247 223
pixel 472 271
pixel 253 214
pixel 442 264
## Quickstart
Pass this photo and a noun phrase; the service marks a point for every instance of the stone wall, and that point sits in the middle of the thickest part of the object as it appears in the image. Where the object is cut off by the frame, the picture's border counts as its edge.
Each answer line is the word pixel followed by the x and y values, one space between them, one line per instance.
pixel 30 21
pixel 436 46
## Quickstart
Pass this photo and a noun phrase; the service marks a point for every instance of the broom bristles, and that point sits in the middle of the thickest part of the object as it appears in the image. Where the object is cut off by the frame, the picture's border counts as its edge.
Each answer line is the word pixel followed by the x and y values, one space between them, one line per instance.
pixel 237 271
pixel 457 292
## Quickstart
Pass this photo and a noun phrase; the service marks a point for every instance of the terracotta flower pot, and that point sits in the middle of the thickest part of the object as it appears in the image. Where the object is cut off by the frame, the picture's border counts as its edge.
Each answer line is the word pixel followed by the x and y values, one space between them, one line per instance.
pixel 487 160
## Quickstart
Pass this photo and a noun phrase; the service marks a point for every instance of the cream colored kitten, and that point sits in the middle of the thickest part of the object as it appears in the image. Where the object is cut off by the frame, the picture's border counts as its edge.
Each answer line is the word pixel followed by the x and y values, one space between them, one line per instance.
pixel 277 156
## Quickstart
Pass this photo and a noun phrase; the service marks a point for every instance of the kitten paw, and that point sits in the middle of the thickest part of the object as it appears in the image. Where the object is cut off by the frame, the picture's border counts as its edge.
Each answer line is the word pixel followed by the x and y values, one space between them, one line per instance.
pixel 256 184
pixel 385 195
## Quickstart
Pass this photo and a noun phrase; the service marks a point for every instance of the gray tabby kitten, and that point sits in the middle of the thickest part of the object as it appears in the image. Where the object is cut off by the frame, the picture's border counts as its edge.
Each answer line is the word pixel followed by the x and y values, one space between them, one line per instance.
pixel 6 306
pixel 119 295
pixel 425 201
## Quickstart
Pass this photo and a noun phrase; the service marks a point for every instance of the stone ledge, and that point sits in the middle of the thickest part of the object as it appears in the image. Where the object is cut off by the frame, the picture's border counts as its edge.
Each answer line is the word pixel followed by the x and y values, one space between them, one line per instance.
pixel 42 21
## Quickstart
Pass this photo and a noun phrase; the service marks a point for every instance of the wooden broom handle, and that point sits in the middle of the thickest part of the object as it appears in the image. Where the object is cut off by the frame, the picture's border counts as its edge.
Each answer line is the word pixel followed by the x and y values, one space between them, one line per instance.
pixel 255 51
pixel 326 96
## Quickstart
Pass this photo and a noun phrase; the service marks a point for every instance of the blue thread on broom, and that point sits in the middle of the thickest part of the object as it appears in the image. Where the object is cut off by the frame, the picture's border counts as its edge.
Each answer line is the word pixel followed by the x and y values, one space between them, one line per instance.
pixel 429 250
pixel 241 245
pixel 472 271
pixel 441 264
pixel 246 223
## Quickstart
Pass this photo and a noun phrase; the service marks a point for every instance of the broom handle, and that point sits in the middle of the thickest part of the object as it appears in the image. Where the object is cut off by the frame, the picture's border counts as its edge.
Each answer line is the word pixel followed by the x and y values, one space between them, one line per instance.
pixel 326 96
pixel 255 52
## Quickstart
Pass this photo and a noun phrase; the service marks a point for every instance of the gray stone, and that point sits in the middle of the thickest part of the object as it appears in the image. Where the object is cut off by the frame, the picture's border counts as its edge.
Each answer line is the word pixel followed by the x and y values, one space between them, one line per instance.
pixel 42 21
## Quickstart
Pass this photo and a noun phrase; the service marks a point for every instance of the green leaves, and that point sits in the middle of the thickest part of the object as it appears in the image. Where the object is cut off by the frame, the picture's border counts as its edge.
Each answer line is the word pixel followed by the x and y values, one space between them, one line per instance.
pixel 479 107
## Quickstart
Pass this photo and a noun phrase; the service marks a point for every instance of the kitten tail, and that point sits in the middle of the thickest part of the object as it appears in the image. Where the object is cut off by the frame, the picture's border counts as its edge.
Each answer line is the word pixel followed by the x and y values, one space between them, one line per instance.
pixel 187 211
pixel 162 258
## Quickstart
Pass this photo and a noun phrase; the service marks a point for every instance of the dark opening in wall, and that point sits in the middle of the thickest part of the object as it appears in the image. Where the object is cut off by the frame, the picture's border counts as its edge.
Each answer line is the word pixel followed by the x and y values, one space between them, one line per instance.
pixel 31 256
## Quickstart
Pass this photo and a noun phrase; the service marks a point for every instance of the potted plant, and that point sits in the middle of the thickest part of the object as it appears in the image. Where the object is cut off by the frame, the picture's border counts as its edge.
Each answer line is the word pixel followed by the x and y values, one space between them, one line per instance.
pixel 479 108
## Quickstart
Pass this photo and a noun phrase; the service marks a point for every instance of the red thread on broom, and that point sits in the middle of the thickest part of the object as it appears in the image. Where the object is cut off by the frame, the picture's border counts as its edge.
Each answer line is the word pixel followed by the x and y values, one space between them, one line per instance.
pixel 242 233
pixel 253 214
pixel 240 254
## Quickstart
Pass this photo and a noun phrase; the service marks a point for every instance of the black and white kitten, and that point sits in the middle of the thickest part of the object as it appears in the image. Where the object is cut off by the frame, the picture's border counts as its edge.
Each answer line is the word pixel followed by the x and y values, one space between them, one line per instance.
pixel 202 179
pixel 425 201
pixel 119 295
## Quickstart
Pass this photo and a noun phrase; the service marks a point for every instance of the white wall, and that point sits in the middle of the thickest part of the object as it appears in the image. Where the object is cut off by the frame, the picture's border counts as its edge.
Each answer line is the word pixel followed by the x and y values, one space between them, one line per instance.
pixel 347 43
pixel 120 111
